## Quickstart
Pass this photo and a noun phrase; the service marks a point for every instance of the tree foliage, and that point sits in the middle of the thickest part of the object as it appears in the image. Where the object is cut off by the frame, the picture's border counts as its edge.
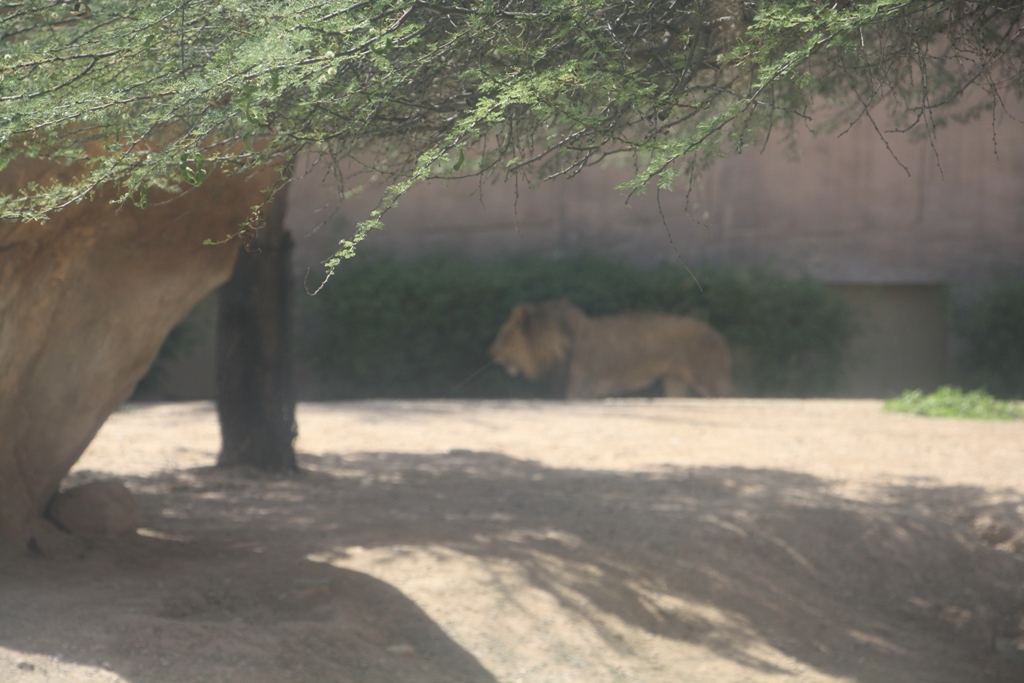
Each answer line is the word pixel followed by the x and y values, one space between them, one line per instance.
pixel 155 94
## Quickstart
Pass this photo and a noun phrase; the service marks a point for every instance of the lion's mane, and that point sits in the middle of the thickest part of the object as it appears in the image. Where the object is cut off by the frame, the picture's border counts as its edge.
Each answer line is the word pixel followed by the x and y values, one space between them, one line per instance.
pixel 614 354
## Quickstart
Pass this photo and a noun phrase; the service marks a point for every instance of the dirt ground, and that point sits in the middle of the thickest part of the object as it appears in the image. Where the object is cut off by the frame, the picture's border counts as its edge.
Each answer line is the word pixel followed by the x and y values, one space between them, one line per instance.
pixel 659 541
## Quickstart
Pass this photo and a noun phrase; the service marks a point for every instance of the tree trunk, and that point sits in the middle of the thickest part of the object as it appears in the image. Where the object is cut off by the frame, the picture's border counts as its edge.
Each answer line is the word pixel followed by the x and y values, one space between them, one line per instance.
pixel 86 299
pixel 255 386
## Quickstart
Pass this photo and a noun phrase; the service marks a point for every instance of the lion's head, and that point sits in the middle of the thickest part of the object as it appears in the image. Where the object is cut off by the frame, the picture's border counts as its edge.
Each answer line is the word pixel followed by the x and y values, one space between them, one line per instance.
pixel 535 338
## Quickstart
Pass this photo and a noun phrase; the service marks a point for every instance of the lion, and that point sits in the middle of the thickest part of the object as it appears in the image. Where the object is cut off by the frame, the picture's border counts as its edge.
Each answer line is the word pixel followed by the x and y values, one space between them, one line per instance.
pixel 614 354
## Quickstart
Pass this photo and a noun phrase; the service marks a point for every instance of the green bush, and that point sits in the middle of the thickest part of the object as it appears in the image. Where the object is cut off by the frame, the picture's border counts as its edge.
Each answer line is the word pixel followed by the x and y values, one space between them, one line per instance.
pixel 422 328
pixel 952 402
pixel 181 340
pixel 993 330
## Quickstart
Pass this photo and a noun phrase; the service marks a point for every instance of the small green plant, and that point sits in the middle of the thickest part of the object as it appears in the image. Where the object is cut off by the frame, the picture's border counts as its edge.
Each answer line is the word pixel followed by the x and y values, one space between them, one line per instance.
pixel 953 402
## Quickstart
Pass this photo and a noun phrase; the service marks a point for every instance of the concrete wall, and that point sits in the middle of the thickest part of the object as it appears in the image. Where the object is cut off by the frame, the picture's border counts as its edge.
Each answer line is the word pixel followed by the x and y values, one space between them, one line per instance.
pixel 842 210
pixel 900 228
pixel 896 236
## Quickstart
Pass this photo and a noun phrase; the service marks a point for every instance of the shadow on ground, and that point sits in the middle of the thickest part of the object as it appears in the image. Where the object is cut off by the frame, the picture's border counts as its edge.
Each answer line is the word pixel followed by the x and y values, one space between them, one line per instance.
pixel 159 610
pixel 916 585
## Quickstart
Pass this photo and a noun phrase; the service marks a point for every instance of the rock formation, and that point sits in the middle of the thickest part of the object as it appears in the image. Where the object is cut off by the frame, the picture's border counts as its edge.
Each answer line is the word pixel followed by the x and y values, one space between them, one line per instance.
pixel 99 509
pixel 86 299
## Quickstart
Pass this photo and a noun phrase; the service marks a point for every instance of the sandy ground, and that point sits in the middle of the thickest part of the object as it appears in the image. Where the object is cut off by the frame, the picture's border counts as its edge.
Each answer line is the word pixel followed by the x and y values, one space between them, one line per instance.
pixel 635 540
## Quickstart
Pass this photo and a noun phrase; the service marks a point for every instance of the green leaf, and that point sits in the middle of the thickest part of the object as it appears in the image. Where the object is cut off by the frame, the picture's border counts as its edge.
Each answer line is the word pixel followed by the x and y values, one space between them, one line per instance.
pixel 193 175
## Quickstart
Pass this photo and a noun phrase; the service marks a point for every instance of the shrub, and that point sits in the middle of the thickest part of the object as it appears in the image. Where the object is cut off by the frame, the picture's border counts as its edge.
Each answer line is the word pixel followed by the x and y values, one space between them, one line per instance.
pixel 993 330
pixel 952 402
pixel 181 340
pixel 422 328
